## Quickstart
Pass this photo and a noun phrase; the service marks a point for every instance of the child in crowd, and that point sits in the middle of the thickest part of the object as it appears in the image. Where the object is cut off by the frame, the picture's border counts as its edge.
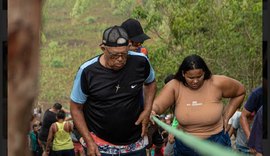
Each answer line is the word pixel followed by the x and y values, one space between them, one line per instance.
pixel 240 137
pixel 35 148
pixel 136 35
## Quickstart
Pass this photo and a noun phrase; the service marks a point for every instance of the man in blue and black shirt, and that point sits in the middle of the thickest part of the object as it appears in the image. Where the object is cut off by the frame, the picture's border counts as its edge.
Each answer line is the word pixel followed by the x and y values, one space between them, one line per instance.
pixel 106 97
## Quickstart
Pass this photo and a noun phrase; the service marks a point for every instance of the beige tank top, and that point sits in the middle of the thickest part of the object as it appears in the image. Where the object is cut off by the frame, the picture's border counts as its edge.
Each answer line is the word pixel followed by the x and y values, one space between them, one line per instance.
pixel 199 112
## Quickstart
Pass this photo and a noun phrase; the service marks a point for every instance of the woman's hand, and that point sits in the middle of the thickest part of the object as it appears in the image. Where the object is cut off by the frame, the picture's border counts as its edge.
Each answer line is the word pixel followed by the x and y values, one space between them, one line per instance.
pixel 153 113
pixel 171 139
pixel 225 124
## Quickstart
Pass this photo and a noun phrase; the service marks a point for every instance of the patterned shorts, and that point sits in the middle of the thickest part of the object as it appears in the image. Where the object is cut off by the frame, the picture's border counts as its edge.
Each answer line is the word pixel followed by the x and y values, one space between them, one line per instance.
pixel 109 148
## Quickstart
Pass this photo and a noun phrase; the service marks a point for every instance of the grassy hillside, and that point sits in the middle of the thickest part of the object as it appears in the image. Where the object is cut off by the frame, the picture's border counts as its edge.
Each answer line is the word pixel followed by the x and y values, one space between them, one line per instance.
pixel 229 38
pixel 68 41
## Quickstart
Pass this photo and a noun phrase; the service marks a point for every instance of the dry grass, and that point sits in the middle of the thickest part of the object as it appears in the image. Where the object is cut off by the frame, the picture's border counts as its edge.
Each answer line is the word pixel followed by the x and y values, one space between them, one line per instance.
pixel 68 43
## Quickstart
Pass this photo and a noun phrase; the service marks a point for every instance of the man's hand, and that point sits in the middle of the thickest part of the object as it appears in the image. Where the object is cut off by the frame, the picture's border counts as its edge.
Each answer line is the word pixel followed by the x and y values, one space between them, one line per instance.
pixel 252 151
pixel 92 149
pixel 144 119
pixel 45 153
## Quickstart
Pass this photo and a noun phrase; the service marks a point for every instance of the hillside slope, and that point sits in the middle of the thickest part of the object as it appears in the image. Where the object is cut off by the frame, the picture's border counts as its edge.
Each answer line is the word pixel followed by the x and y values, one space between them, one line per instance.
pixel 69 41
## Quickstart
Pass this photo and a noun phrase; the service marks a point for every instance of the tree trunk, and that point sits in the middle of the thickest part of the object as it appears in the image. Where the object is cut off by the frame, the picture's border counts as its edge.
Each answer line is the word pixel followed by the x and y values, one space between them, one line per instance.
pixel 23 63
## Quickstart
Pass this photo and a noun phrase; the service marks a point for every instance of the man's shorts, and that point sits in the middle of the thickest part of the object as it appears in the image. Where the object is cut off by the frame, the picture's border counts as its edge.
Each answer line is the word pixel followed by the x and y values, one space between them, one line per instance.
pixel 111 149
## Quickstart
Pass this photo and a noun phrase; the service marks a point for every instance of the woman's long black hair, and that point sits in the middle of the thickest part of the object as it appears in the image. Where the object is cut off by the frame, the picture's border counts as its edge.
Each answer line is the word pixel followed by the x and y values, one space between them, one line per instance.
pixel 192 62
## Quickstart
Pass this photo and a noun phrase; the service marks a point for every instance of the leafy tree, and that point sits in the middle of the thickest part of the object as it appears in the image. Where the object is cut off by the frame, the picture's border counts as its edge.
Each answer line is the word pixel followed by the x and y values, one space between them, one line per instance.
pixel 226 33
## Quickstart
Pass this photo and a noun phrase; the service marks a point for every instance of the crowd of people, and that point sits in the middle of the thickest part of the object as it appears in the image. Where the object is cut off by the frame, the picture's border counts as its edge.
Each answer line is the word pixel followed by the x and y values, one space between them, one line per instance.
pixel 114 95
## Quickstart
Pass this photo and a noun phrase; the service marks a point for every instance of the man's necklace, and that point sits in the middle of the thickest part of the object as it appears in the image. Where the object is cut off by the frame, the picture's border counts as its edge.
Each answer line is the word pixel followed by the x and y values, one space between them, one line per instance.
pixel 117 88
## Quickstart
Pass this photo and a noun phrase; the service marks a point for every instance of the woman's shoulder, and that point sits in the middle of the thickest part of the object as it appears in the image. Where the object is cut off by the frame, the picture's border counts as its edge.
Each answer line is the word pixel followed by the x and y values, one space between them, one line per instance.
pixel 68 126
pixel 174 83
pixel 175 86
pixel 222 80
pixel 219 78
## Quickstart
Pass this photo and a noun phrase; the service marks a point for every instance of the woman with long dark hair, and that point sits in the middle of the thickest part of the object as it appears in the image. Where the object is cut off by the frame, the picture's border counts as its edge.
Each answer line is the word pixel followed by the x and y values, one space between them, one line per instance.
pixel 197 95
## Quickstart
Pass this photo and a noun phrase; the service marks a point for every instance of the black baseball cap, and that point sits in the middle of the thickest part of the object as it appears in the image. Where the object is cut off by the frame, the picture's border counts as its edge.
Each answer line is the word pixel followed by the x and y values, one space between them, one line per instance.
pixel 134 30
pixel 115 36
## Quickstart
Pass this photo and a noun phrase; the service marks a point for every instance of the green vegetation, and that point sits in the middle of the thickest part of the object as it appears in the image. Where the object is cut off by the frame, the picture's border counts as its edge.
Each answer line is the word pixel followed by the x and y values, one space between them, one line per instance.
pixel 226 33
pixel 70 36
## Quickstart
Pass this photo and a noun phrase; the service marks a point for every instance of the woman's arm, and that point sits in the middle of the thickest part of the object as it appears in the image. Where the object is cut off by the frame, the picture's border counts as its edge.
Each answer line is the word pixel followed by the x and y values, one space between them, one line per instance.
pixel 234 90
pixel 166 97
pixel 50 138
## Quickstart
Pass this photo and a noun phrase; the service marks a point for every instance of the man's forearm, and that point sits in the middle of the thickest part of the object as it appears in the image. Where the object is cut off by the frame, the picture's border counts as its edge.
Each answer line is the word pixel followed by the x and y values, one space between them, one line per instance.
pixel 79 121
pixel 245 126
pixel 149 95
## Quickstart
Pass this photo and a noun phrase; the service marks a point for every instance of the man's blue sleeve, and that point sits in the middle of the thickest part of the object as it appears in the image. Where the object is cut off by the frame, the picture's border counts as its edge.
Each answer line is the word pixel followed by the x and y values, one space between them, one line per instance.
pixel 254 100
pixel 77 94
